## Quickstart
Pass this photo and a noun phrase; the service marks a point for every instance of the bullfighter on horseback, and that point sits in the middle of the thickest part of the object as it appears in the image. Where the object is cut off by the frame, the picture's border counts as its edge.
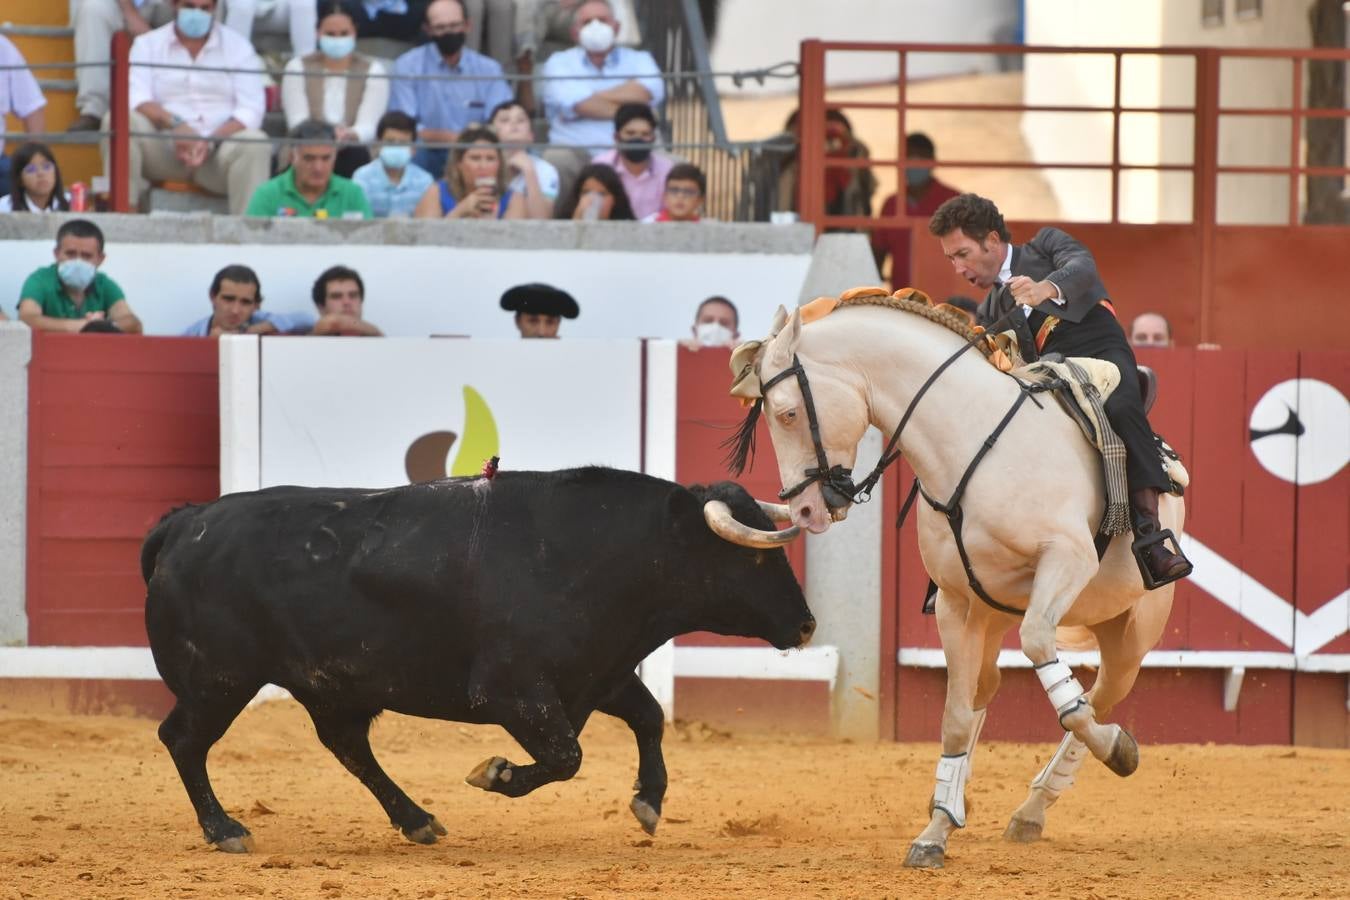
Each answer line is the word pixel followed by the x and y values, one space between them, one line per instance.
pixel 1048 293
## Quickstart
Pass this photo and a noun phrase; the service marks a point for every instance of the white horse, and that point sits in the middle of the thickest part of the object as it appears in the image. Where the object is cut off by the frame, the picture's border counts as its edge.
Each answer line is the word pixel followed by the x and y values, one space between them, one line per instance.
pixel 1030 508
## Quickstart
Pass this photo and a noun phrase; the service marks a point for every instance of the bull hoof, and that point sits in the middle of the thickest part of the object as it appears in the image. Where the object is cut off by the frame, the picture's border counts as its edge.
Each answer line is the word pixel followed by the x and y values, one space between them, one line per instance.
pixel 1020 831
pixel 426 834
pixel 243 844
pixel 647 817
pixel 1124 758
pixel 488 772
pixel 925 855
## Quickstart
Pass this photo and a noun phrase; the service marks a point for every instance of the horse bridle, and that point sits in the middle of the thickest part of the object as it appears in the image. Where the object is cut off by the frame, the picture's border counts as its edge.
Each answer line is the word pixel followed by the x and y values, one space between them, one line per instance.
pixel 836 482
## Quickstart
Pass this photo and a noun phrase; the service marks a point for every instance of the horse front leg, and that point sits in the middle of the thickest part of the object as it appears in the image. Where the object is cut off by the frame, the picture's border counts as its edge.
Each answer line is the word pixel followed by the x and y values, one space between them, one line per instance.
pixel 964 639
pixel 1061 574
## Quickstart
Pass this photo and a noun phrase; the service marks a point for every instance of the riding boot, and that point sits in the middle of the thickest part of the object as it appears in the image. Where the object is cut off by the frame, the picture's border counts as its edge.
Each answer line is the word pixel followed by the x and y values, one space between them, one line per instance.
pixel 1163 566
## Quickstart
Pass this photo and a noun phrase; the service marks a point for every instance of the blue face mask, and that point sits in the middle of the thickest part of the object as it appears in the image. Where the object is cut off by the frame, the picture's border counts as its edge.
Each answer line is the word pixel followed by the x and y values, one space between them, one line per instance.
pixel 335 47
pixel 76 274
pixel 193 23
pixel 918 177
pixel 395 156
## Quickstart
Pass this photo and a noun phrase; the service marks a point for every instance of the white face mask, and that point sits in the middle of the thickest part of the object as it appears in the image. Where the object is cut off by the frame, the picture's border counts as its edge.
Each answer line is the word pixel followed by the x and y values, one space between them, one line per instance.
pixel 712 334
pixel 596 36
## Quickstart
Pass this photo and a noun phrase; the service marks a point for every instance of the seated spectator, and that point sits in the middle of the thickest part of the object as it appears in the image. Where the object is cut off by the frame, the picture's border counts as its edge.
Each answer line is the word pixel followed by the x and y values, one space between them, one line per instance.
pixel 200 107
pixel 236 308
pixel 1150 329
pixel 581 106
pixel 294 18
pixel 95 22
pixel 534 178
pixel 331 85
pixel 923 195
pixel 683 198
pixel 20 95
pixel 72 294
pixel 848 191
pixel 539 309
pixel 340 295
pixel 597 194
pixel 393 183
pixel 716 324
pixel 444 108
pixel 474 186
pixel 37 182
pixel 642 170
pixel 309 189
pixel 396 20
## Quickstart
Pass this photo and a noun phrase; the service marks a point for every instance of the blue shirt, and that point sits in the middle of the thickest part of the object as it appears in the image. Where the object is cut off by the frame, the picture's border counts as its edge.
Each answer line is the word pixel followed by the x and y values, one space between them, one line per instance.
pixel 448 199
pixel 562 89
pixel 285 323
pixel 451 105
pixel 389 199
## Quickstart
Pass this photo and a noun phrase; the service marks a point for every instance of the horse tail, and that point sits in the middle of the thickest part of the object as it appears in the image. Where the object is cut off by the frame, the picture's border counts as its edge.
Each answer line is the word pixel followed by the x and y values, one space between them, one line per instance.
pixel 1075 637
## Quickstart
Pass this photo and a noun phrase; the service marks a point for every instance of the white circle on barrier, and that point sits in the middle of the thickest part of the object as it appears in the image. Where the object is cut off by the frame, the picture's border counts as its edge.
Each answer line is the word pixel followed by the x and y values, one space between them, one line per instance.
pixel 1300 430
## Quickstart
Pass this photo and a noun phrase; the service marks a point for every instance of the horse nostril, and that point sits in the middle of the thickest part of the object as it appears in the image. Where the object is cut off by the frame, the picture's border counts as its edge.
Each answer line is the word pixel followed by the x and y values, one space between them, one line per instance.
pixel 806 513
pixel 808 629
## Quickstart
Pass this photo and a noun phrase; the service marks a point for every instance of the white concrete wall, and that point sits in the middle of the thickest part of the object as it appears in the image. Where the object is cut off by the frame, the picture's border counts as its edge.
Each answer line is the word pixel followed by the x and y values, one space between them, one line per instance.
pixel 757 33
pixel 1158 81
pixel 15 352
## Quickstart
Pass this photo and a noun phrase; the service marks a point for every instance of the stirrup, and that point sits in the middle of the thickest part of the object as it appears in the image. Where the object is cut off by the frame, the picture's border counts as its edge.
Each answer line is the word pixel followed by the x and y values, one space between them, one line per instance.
pixel 1143 543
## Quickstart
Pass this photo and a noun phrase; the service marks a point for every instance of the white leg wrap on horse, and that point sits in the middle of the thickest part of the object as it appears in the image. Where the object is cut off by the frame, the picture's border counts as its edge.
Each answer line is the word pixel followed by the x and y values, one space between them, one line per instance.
pixel 953 772
pixel 1063 689
pixel 1057 776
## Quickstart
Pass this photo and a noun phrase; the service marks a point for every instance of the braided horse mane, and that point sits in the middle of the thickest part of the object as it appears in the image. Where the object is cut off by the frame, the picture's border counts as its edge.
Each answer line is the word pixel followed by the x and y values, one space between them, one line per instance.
pixel 740 446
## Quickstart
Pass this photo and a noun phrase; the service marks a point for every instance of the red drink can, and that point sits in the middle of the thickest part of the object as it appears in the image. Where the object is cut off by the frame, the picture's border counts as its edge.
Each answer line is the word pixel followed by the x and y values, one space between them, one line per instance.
pixel 79 197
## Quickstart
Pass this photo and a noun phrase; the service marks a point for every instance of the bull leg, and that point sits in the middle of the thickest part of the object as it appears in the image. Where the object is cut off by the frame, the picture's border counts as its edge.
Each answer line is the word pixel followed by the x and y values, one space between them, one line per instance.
pixel 540 725
pixel 1063 571
pixel 633 703
pixel 347 735
pixel 188 732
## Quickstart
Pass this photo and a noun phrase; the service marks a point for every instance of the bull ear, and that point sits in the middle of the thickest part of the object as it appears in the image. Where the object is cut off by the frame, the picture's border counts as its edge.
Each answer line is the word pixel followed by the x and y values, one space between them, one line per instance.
pixel 784 346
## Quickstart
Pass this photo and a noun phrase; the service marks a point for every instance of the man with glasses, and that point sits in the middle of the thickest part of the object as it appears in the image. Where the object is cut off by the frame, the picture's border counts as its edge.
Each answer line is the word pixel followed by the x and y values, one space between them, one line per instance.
pixel 642 170
pixel 309 189
pixel 425 87
pixel 207 108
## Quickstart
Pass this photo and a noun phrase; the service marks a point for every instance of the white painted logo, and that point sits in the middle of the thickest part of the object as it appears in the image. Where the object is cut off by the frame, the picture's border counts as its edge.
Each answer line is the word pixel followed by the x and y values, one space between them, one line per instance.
pixel 1300 431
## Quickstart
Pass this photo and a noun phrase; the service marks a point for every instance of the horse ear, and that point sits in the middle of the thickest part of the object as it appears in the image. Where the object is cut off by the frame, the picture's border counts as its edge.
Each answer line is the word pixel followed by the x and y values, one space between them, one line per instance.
pixel 780 317
pixel 785 344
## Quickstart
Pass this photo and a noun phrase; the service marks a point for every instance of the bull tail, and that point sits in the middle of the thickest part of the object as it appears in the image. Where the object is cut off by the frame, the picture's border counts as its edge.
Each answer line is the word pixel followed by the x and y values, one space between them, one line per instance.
pixel 154 541
pixel 1075 638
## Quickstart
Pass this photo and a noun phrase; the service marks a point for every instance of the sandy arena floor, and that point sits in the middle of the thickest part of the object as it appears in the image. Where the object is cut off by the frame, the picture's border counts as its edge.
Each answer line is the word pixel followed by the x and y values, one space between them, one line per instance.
pixel 91 807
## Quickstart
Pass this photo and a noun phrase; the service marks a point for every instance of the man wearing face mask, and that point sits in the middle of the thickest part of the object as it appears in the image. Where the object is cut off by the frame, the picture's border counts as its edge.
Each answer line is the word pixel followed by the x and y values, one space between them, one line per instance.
pixel 584 87
pixel 200 85
pixel 392 182
pixel 923 195
pixel 72 294
pixel 716 324
pixel 642 170
pixel 444 108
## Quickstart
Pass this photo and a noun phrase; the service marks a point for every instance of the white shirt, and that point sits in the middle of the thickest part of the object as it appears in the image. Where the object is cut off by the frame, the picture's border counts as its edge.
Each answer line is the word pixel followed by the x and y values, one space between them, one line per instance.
pixel 374 101
pixel 19 91
pixel 7 201
pixel 562 96
pixel 204 100
pixel 546 172
pixel 1005 275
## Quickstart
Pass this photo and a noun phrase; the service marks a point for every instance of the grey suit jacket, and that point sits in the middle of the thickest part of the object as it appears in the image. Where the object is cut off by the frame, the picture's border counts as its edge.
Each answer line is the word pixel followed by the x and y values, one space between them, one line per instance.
pixel 1051 255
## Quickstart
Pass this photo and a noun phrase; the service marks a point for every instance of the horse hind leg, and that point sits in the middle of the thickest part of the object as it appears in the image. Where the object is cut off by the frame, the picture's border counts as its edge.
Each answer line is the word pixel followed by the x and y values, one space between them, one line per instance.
pixel 1061 575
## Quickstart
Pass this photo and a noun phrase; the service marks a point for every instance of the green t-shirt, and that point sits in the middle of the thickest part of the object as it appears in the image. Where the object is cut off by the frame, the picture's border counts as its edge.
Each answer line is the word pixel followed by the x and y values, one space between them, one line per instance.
pixel 45 287
pixel 344 199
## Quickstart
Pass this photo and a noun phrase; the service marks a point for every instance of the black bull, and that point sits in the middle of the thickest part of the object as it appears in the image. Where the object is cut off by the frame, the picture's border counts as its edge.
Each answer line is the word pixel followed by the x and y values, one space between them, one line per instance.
pixel 526 601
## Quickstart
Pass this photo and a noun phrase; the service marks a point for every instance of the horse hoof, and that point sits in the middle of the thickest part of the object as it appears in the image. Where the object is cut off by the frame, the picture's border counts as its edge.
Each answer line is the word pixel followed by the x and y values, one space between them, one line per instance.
pixel 488 772
pixel 243 844
pixel 426 834
pixel 1124 758
pixel 925 855
pixel 1020 831
pixel 647 817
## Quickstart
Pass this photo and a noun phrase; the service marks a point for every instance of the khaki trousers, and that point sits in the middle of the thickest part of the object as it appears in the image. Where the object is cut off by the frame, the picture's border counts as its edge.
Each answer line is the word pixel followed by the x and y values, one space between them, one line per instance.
pixel 234 171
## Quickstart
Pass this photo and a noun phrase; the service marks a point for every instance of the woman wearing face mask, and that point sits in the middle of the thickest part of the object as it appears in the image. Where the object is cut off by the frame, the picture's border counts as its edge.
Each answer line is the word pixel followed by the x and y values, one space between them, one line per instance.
pixel 37 182
pixel 597 195
pixel 475 183
pixel 337 85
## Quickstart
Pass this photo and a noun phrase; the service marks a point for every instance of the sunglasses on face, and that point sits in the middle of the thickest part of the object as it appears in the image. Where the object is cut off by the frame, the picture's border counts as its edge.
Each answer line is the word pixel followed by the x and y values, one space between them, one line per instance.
pixel 682 191
pixel 35 168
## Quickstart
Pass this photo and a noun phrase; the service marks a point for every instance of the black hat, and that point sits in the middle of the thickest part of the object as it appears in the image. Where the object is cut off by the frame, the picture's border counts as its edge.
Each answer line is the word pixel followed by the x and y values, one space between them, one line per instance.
pixel 540 299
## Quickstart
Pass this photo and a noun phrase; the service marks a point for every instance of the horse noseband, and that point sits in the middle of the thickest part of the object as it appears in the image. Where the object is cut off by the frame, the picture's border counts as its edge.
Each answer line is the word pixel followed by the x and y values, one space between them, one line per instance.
pixel 836 482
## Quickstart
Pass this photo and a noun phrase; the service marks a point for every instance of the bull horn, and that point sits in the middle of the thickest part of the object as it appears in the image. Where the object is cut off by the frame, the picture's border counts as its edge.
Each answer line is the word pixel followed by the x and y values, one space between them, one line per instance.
pixel 724 525
pixel 778 512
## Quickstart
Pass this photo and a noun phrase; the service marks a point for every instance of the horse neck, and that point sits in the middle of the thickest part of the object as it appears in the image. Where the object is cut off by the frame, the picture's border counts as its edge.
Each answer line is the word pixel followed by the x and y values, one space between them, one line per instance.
pixel 897 353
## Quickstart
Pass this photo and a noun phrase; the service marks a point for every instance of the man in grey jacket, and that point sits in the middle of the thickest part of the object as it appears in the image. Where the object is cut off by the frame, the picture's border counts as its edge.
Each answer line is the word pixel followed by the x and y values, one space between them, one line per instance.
pixel 1048 292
